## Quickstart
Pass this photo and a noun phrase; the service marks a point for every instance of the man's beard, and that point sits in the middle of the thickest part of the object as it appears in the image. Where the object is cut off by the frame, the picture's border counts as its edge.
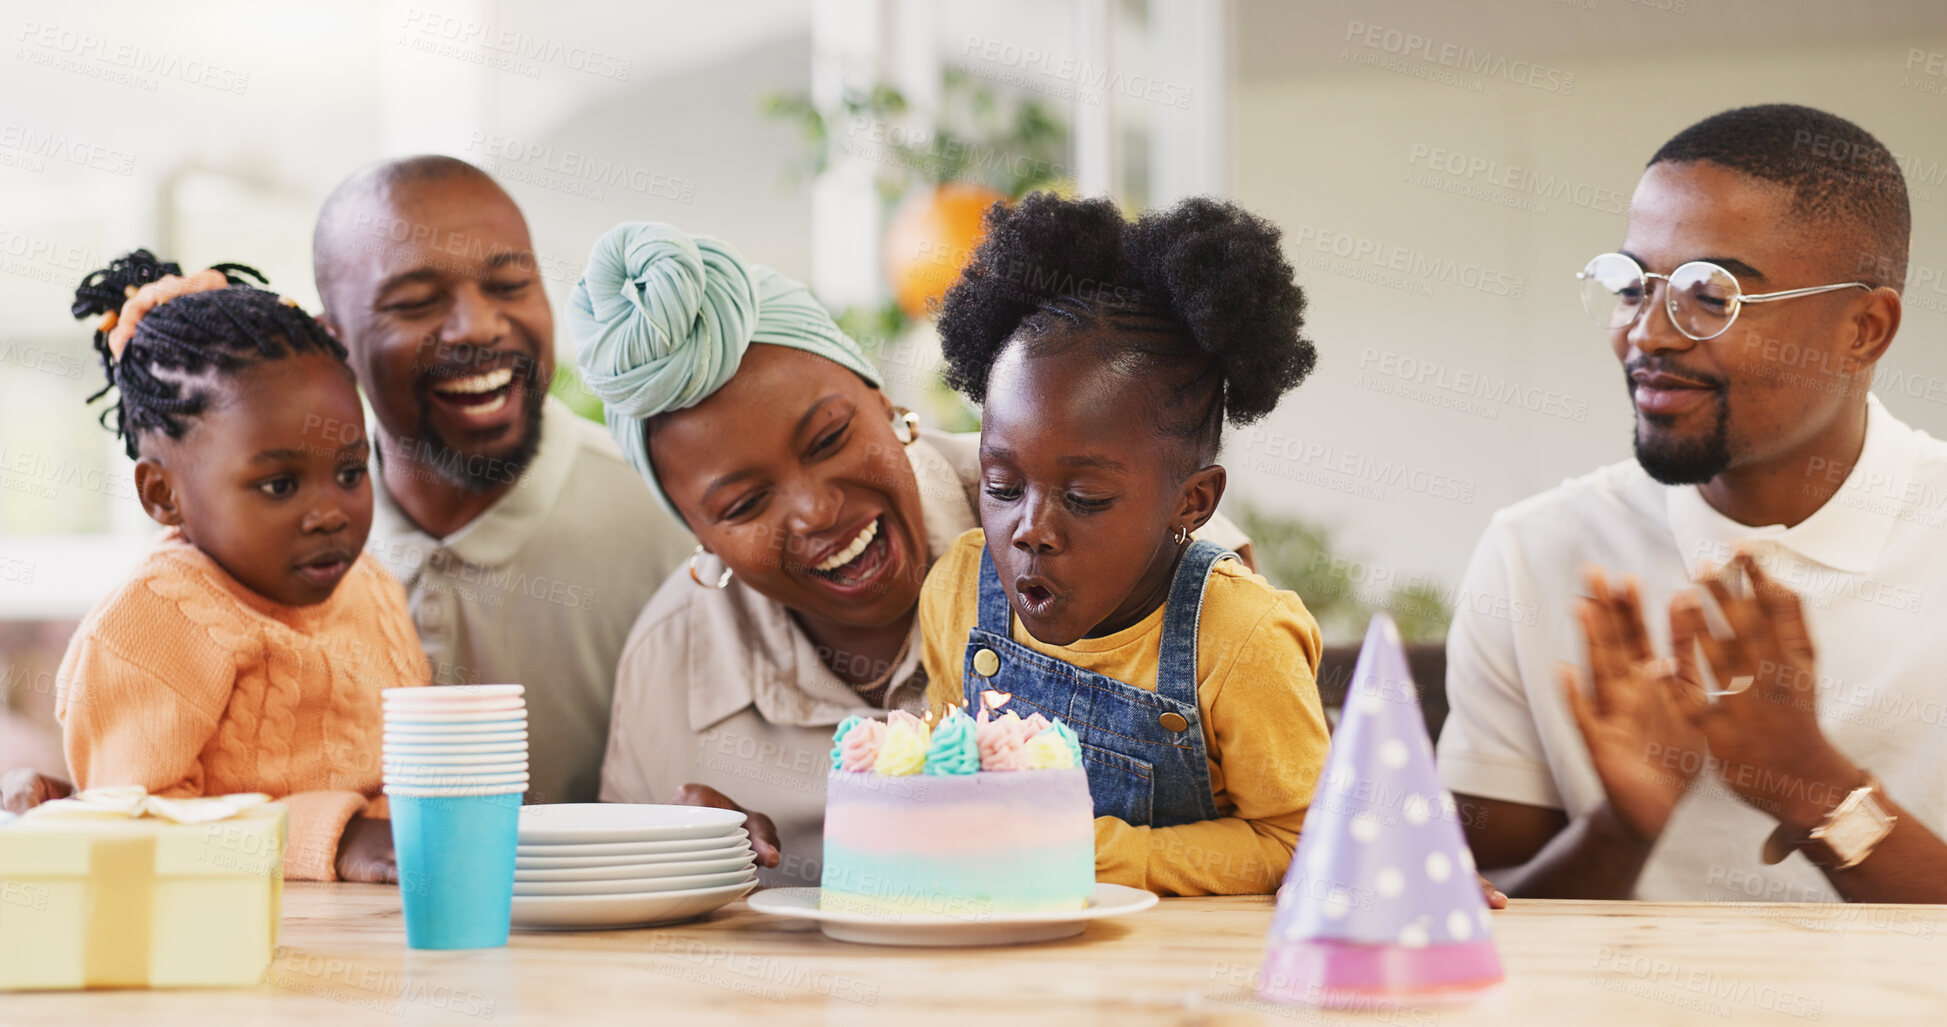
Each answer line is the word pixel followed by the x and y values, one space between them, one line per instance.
pixel 475 472
pixel 1679 461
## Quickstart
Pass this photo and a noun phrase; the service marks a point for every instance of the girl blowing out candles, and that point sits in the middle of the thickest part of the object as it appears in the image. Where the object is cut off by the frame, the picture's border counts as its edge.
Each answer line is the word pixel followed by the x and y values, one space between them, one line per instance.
pixel 247 651
pixel 1107 356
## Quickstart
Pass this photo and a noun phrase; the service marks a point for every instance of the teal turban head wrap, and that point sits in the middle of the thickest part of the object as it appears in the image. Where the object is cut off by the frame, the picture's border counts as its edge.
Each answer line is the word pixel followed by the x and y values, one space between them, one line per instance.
pixel 662 320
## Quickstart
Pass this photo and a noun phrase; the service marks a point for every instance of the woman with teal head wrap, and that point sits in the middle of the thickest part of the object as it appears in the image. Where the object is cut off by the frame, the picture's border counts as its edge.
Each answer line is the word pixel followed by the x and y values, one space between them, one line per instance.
pixel 664 320
pixel 817 508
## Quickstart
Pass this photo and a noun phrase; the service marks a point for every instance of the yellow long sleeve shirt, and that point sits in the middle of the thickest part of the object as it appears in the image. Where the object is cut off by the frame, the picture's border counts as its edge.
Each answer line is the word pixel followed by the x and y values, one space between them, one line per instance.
pixel 1264 730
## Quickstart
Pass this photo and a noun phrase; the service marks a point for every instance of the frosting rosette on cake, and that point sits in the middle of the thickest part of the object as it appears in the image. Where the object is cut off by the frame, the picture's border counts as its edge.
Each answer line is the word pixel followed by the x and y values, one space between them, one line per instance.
pixel 903 745
pixel 953 750
pixel 903 752
pixel 858 747
pixel 838 739
pixel 1004 740
pixel 1055 748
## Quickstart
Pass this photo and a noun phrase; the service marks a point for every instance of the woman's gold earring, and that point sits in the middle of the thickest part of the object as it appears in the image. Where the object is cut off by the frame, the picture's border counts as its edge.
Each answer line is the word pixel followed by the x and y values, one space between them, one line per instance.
pixel 905 425
pixel 1180 535
pixel 722 582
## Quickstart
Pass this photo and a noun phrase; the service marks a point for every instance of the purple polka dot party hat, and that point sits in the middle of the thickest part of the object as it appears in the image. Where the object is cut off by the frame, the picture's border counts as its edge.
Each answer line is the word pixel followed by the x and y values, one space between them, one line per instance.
pixel 1381 906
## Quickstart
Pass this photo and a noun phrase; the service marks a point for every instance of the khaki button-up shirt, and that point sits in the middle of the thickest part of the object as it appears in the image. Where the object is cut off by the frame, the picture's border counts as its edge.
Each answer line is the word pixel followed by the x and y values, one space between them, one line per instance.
pixel 540 590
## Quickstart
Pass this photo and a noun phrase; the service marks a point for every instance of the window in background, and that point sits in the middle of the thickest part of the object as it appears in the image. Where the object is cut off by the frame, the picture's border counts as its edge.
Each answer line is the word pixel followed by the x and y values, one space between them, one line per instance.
pixel 59 473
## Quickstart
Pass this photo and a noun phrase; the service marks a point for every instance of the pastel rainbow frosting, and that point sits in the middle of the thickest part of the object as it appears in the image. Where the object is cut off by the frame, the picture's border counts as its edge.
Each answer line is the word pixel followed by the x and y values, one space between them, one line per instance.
pixel 961 817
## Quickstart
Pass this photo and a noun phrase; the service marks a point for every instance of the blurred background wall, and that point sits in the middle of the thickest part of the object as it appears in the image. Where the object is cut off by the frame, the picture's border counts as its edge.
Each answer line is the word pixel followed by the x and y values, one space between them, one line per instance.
pixel 1440 172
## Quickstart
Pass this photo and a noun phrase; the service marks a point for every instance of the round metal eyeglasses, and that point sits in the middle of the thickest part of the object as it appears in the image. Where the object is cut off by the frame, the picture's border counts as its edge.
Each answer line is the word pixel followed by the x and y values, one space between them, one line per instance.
pixel 1701 298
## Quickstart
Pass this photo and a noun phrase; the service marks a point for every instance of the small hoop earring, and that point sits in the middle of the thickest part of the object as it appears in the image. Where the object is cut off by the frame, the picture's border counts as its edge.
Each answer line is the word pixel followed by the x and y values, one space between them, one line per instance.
pixel 1180 535
pixel 722 582
pixel 905 419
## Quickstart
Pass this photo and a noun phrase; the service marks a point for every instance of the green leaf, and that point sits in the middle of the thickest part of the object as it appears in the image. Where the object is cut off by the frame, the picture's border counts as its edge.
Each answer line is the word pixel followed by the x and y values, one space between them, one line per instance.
pixel 570 389
pixel 1303 556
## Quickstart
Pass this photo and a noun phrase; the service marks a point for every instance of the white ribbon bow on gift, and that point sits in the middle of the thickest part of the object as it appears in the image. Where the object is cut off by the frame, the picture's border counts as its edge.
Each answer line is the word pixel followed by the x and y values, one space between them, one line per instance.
pixel 134 801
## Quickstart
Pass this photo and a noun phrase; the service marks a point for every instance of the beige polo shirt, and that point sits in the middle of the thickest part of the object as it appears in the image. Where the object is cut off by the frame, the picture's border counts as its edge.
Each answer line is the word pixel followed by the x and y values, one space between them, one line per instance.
pixel 540 590
pixel 1870 568
pixel 720 688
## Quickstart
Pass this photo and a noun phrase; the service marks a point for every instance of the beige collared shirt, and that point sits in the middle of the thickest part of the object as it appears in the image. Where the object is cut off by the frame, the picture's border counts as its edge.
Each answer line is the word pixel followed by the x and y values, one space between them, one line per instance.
pixel 720 688
pixel 540 590
pixel 1870 569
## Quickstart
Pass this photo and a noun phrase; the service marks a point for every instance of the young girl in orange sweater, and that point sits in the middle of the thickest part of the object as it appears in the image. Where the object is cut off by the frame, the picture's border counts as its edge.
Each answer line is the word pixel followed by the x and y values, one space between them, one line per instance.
pixel 247 651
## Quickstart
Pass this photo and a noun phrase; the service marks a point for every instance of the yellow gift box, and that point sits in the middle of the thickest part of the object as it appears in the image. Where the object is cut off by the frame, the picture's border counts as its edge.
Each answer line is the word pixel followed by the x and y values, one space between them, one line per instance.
pixel 119 889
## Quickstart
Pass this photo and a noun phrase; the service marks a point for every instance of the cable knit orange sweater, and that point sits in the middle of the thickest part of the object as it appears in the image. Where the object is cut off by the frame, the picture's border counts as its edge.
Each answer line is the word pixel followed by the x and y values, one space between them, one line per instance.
pixel 187 683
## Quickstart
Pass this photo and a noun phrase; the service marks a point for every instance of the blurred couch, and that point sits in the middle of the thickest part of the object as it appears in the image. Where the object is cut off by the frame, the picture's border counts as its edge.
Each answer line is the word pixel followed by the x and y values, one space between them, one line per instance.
pixel 1427 662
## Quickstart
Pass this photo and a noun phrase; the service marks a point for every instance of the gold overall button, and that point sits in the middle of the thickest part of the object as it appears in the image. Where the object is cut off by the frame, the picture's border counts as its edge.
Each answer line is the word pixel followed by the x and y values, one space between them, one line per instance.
pixel 1172 722
pixel 987 663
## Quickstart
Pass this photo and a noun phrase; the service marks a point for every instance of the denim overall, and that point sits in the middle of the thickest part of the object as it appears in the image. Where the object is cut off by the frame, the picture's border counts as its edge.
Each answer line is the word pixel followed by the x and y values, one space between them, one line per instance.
pixel 1143 750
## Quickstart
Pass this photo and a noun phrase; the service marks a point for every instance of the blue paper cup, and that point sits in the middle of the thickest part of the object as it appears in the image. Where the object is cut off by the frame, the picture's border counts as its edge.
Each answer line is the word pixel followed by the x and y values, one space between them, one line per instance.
pixel 456 867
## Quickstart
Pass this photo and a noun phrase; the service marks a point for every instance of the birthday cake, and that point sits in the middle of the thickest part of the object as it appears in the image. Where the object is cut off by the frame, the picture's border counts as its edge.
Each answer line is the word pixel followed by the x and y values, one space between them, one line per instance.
pixel 961 818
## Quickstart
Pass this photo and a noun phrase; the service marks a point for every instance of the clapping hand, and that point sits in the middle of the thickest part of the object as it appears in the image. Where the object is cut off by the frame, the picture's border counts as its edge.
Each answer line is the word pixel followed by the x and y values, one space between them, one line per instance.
pixel 1633 714
pixel 1763 730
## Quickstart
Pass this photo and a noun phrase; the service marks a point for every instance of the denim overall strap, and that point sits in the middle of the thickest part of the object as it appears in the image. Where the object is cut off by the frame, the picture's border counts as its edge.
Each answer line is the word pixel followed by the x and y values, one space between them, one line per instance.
pixel 1143 749
pixel 995 613
pixel 1176 670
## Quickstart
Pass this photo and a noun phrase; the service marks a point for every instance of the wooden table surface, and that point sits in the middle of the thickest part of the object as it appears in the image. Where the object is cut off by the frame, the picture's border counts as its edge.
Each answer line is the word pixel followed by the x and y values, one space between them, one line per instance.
pixel 343 959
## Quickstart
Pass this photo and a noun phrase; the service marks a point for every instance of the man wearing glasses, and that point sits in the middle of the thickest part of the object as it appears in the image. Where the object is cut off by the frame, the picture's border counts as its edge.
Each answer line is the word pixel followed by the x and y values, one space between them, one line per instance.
pixel 1759 712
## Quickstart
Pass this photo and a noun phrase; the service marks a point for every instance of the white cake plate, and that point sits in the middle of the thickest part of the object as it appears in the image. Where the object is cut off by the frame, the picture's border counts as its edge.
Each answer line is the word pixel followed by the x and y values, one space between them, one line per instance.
pixel 935 930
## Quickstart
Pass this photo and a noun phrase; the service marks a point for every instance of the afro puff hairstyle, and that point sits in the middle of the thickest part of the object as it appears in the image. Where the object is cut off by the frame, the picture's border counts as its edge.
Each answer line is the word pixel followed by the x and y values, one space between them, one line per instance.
pixel 1199 297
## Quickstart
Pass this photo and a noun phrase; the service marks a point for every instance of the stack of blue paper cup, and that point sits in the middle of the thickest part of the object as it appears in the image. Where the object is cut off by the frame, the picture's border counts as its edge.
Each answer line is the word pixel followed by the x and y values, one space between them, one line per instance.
pixel 455 768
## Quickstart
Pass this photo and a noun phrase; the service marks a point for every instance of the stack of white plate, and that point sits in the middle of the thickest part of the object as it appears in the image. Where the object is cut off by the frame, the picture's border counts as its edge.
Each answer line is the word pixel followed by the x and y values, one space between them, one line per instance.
pixel 609 865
